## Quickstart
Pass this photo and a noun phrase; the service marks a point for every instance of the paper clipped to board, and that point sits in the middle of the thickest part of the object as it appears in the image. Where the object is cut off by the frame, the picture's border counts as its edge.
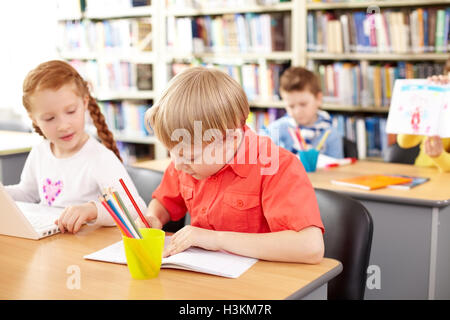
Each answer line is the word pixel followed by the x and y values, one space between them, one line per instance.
pixel 419 107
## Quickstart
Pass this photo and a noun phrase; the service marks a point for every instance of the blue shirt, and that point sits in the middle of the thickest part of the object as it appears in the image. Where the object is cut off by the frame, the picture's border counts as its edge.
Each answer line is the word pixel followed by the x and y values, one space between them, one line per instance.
pixel 333 146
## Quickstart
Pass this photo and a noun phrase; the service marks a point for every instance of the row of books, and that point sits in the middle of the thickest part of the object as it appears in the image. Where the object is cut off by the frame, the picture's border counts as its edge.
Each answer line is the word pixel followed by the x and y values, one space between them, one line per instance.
pixel 132 152
pixel 123 35
pixel 71 8
pixel 116 76
pixel 391 31
pixel 260 82
pixel 368 85
pixel 113 5
pixel 340 1
pixel 369 134
pixel 208 4
pixel 126 117
pixel 249 32
pixel 258 121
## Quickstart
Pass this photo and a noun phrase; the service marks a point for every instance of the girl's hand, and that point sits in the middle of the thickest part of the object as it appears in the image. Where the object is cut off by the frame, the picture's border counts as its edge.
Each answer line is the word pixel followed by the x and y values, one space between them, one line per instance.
pixel 190 236
pixel 433 146
pixel 439 79
pixel 73 217
pixel 152 221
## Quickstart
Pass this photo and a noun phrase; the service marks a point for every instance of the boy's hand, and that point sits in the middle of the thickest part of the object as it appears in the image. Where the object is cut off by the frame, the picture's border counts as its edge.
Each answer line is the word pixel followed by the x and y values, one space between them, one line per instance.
pixel 433 146
pixel 73 217
pixel 152 221
pixel 190 236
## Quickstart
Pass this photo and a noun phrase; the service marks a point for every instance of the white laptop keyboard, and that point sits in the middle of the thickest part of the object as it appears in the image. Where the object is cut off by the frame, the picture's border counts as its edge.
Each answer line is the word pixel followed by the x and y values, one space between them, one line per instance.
pixel 42 218
pixel 40 221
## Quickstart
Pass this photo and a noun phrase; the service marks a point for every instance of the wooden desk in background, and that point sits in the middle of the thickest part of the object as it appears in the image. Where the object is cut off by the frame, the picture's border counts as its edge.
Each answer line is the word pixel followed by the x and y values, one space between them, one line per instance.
pixel 411 241
pixel 14 149
pixel 44 269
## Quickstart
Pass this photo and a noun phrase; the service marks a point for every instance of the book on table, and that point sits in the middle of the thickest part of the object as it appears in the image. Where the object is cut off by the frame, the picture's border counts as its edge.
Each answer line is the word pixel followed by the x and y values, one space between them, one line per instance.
pixel 416 181
pixel 218 263
pixel 371 182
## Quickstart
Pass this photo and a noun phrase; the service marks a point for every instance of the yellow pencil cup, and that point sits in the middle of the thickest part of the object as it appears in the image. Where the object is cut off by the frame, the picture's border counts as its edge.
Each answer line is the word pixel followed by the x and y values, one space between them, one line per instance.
pixel 144 255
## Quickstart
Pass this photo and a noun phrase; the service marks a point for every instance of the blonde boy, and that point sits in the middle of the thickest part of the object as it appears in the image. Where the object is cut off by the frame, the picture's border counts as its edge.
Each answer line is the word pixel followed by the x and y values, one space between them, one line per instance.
pixel 245 195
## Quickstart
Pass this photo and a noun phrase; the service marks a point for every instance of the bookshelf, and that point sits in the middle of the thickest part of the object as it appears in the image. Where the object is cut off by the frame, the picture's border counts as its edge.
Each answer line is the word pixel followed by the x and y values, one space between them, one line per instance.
pixel 377 57
pixel 353 4
pixel 115 45
pixel 256 67
pixel 200 32
pixel 345 41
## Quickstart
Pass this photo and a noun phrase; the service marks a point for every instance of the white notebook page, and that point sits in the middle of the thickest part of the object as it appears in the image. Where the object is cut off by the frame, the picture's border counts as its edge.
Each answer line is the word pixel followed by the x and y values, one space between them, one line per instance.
pixel 195 259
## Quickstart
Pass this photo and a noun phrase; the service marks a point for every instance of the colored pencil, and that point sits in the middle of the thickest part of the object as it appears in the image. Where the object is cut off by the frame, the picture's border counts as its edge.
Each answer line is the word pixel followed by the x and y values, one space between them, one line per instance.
pixel 125 217
pixel 300 138
pixel 134 203
pixel 117 197
pixel 294 138
pixel 110 202
pixel 324 138
pixel 116 220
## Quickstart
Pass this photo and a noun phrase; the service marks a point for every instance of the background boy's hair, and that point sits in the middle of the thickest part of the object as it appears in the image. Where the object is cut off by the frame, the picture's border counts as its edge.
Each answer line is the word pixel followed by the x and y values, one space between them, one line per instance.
pixel 198 94
pixel 447 67
pixel 53 75
pixel 299 79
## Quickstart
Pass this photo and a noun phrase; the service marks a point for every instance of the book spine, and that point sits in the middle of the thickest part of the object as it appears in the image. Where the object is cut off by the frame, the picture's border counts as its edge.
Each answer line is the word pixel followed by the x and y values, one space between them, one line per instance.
pixel 440 26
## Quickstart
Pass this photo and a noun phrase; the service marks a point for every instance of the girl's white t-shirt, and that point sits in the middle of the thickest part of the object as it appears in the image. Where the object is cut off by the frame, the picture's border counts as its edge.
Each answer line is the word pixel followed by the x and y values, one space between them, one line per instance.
pixel 78 179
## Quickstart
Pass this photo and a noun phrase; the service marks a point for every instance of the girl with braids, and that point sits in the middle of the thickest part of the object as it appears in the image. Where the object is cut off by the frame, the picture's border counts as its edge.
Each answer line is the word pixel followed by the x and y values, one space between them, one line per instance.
pixel 69 168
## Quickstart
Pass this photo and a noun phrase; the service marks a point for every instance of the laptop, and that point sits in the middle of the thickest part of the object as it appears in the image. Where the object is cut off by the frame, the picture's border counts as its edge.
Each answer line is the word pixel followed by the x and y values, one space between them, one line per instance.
pixel 26 220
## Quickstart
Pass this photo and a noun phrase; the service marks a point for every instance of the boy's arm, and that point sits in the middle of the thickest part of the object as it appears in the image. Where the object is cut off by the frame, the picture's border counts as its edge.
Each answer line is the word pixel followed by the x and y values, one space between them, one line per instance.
pixel 408 140
pixel 304 246
pixel 157 216
pixel 167 203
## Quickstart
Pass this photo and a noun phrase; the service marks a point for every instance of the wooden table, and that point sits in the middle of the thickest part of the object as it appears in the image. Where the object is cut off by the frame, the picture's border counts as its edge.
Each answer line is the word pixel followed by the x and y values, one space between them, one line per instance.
pixel 14 149
pixel 410 256
pixel 45 269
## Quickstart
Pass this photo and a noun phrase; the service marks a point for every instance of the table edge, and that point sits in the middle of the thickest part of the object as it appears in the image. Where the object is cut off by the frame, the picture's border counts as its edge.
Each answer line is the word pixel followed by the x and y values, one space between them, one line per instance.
pixel 317 283
pixel 394 199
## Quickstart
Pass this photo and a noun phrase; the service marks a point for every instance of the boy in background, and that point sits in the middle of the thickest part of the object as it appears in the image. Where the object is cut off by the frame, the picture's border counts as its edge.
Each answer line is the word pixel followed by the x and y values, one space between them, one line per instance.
pixel 301 92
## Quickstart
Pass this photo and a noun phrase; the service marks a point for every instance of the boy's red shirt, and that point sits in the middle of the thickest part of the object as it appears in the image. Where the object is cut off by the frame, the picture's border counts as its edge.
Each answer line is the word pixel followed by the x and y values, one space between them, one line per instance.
pixel 239 198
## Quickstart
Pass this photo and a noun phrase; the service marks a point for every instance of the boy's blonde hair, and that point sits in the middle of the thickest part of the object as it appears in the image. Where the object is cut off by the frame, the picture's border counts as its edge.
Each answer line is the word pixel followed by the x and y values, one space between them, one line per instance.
pixel 198 94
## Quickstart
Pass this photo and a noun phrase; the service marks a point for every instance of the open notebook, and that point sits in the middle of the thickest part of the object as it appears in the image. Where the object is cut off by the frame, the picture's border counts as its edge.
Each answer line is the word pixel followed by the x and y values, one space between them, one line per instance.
pixel 194 259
